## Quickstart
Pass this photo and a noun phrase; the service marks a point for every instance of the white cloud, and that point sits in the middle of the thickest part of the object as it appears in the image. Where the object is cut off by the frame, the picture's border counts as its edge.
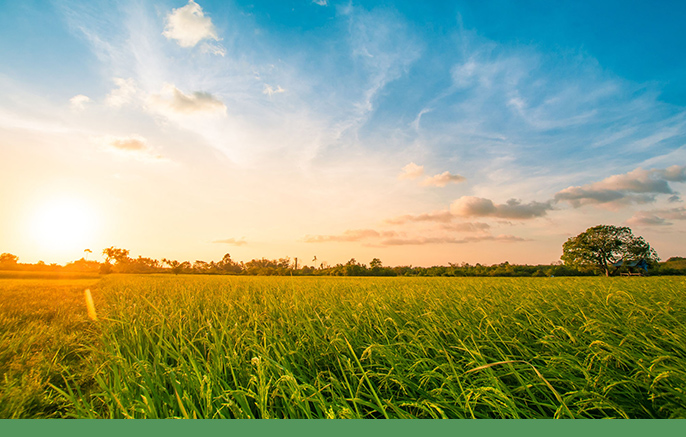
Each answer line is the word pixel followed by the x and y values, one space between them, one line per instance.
pixel 637 181
pixel 443 179
pixel 449 240
pixel 657 217
pixel 674 173
pixel 438 216
pixel 350 235
pixel 446 218
pixel 174 100
pixel 470 206
pixel 472 126
pixel 636 186
pixel 391 238
pixel 645 218
pixel 129 144
pixel 78 102
pixel 673 213
pixel 189 25
pixel 320 2
pixel 411 171
pixel 269 90
pixel 478 227
pixel 123 94
pixel 132 146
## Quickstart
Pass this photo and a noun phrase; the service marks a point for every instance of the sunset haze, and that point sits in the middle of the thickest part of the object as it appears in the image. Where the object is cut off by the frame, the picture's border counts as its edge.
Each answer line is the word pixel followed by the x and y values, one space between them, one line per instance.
pixel 419 134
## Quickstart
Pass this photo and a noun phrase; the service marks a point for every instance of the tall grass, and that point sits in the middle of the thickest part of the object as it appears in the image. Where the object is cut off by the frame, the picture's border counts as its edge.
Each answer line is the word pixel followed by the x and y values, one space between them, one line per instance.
pixel 265 347
pixel 43 333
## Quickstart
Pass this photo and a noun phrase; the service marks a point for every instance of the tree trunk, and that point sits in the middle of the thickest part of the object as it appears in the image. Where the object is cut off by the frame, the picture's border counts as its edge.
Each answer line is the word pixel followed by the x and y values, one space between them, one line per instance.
pixel 604 266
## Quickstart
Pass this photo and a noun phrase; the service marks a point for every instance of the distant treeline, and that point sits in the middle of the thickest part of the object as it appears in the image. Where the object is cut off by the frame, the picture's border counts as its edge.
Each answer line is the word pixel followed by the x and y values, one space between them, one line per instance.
pixel 118 261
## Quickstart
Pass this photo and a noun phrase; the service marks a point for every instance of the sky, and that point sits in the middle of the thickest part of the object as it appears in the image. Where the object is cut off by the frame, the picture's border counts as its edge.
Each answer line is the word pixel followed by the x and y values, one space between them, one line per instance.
pixel 420 133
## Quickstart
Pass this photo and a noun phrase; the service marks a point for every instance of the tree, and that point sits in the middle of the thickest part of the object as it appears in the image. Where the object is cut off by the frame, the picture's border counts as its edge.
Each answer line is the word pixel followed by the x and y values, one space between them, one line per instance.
pixel 121 256
pixel 376 263
pixel 177 267
pixel 8 261
pixel 82 265
pixel 353 268
pixel 603 245
pixel 228 265
pixel 200 266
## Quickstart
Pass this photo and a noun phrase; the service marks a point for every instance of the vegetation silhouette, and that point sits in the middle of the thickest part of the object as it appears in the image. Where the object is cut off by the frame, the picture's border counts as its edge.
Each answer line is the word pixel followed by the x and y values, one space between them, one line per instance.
pixel 594 251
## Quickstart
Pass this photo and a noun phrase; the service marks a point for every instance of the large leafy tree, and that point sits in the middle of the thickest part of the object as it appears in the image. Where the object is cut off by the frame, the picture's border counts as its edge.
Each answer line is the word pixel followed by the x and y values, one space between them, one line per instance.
pixel 603 245
pixel 7 260
pixel 121 256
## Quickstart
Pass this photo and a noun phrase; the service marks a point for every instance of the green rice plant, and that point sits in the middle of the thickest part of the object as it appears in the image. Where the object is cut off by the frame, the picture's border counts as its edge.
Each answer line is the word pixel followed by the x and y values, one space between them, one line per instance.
pixel 43 333
pixel 318 347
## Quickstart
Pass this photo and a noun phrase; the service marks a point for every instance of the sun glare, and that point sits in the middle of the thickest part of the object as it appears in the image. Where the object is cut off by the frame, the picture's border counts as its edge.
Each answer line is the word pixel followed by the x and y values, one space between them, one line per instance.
pixel 63 225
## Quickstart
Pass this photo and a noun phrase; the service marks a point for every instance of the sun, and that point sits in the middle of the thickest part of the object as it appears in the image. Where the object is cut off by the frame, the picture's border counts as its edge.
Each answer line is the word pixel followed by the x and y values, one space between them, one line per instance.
pixel 63 225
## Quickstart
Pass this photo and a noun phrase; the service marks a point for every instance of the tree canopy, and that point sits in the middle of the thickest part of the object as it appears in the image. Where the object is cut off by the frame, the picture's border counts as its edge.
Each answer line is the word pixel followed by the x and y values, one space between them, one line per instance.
pixel 603 245
pixel 7 260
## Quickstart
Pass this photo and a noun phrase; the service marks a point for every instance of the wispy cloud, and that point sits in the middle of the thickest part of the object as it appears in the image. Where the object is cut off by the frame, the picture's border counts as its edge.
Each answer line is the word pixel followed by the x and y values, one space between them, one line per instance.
pixel 215 49
pixel 382 48
pixel 477 227
pixel 232 241
pixel 509 108
pixel 270 91
pixel 646 218
pixel 449 240
pixel 437 217
pixel 188 25
pixel 322 121
pixel 657 217
pixel 445 219
pixel 392 238
pixel 351 235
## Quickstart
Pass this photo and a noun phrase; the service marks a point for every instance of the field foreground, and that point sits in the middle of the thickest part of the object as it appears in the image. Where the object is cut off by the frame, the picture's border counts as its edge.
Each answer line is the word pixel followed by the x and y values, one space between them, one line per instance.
pixel 264 347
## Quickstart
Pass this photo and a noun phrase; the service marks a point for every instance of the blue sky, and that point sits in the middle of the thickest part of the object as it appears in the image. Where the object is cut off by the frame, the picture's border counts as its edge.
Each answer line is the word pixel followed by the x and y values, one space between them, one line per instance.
pixel 418 133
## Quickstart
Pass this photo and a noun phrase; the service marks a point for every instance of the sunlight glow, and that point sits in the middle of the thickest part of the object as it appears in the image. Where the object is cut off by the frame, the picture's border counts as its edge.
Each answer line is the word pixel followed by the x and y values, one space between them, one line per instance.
pixel 63 225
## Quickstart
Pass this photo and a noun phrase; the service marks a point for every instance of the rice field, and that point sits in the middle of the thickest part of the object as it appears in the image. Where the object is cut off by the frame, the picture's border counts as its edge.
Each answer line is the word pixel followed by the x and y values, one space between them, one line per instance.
pixel 44 335
pixel 317 347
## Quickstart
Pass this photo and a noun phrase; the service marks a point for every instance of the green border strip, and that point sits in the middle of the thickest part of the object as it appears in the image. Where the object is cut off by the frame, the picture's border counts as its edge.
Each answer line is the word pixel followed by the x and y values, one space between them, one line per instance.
pixel 342 428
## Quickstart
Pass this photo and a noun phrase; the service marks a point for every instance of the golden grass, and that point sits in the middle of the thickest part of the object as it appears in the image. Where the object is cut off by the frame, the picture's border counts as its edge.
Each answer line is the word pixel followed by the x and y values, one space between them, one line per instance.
pixel 43 329
pixel 266 347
